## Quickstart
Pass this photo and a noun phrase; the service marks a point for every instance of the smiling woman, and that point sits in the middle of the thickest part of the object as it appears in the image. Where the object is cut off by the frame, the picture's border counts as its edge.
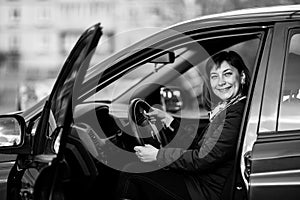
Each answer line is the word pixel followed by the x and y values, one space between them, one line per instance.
pixel 228 77
pixel 225 81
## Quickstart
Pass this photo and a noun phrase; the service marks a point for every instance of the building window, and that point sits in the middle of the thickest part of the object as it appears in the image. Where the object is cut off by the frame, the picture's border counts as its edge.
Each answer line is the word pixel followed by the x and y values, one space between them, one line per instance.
pixel 94 8
pixel 14 43
pixel 44 14
pixel 44 44
pixel 15 14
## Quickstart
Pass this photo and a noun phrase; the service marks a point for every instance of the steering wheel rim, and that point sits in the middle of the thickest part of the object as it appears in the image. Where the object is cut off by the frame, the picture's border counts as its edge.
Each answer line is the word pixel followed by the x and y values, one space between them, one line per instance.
pixel 143 129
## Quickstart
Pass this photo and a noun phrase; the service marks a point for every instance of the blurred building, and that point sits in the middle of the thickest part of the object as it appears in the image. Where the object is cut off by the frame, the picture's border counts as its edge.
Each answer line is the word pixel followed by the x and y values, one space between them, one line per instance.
pixel 37 35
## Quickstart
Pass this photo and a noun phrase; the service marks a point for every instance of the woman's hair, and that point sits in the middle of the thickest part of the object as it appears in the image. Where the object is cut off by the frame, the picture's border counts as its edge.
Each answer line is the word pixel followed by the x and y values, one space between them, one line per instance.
pixel 234 60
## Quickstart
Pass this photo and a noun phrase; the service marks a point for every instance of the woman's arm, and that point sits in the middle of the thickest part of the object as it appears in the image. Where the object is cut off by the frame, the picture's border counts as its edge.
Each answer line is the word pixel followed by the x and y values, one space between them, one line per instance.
pixel 218 145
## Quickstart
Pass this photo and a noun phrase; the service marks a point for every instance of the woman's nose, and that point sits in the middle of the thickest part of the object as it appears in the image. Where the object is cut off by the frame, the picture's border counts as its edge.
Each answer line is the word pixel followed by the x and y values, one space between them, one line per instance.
pixel 221 81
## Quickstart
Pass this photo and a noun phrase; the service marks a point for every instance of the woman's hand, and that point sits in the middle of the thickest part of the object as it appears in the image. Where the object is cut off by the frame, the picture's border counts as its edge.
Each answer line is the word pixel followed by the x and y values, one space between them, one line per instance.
pixel 146 153
pixel 163 116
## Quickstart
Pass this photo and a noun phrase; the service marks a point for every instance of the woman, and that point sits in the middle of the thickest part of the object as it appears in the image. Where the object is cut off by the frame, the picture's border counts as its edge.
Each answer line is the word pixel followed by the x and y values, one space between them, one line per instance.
pixel 201 171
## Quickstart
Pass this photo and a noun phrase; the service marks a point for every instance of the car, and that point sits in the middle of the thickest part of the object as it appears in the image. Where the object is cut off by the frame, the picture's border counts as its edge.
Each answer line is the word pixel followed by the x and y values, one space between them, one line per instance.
pixel 74 143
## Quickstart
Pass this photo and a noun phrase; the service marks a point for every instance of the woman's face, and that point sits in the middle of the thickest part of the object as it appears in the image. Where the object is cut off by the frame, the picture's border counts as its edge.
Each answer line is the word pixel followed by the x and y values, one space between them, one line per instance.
pixel 225 81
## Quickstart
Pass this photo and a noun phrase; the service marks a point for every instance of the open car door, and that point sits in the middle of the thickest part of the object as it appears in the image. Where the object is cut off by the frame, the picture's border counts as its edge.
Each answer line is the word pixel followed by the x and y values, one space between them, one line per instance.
pixel 54 121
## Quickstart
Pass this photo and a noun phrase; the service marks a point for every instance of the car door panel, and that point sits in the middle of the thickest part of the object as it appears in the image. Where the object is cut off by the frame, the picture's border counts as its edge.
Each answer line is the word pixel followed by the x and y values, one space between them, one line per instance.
pixel 275 157
pixel 275 170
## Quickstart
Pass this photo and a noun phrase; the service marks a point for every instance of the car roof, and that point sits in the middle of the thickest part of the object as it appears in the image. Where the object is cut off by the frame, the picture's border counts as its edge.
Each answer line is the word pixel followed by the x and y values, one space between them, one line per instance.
pixel 254 12
pixel 242 16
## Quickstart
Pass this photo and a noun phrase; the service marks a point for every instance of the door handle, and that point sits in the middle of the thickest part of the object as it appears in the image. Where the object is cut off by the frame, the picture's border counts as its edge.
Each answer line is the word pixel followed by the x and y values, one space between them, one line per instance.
pixel 248 162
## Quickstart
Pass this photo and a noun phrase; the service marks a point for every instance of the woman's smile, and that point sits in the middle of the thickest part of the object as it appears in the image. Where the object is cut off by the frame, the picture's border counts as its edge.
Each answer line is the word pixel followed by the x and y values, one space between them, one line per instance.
pixel 224 90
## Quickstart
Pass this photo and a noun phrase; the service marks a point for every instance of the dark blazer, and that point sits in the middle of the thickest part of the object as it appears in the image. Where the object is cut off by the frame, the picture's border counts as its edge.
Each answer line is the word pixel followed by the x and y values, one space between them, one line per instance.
pixel 208 164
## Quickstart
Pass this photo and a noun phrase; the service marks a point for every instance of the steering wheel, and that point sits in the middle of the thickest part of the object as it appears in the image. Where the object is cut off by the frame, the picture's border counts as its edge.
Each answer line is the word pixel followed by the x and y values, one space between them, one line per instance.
pixel 143 129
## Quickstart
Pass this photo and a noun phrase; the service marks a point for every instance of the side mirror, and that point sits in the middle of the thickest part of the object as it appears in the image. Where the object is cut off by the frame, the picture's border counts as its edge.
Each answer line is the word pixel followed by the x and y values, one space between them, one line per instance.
pixel 12 132
pixel 171 99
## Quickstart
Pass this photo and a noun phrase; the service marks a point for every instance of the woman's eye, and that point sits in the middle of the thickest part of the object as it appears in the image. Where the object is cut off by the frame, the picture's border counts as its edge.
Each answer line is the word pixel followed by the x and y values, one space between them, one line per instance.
pixel 213 77
pixel 227 74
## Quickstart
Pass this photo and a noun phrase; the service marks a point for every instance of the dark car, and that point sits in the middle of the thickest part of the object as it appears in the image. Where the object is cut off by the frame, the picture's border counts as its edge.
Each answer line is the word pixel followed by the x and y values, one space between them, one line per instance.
pixel 74 143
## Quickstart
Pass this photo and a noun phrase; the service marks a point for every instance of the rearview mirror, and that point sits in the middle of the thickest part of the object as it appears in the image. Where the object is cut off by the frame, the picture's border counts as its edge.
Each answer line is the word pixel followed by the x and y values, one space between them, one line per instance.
pixel 10 130
pixel 165 57
pixel 171 99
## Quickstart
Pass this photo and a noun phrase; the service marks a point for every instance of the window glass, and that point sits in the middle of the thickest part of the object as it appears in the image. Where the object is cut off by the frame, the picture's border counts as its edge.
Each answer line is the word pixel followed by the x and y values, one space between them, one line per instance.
pixel 15 14
pixel 185 73
pixel 289 115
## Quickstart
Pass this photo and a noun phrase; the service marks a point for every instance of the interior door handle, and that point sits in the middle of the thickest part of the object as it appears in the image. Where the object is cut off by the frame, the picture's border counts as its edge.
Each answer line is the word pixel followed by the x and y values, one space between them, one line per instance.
pixel 248 162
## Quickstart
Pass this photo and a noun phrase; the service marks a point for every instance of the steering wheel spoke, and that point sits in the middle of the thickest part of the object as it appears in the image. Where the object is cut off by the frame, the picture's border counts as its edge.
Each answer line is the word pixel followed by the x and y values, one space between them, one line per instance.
pixel 143 129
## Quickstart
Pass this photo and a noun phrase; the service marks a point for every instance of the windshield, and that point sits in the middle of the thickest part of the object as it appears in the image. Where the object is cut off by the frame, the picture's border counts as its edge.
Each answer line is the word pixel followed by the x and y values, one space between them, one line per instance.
pixel 123 84
pixel 140 73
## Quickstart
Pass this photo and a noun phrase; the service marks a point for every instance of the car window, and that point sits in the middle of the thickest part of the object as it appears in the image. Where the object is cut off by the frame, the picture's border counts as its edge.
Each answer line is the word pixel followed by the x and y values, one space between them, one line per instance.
pixel 186 74
pixel 289 115
pixel 123 84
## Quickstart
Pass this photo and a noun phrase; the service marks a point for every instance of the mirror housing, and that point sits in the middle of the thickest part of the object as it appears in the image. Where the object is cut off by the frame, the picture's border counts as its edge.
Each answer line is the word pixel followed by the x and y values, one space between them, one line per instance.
pixel 12 134
pixel 171 99
pixel 165 57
